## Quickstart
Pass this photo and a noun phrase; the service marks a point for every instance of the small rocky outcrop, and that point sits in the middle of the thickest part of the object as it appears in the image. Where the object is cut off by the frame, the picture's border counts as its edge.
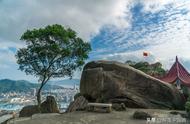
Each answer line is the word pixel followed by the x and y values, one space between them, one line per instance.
pixel 119 107
pixel 79 104
pixel 109 81
pixel 48 106
pixel 141 115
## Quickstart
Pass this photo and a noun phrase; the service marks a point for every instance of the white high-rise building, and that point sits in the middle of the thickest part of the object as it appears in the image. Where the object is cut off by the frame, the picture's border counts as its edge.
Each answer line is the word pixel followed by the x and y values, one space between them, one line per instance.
pixel 33 92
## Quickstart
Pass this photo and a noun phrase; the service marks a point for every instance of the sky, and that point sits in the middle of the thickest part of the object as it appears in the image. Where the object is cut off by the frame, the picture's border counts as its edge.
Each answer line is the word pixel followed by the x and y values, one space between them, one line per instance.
pixel 118 30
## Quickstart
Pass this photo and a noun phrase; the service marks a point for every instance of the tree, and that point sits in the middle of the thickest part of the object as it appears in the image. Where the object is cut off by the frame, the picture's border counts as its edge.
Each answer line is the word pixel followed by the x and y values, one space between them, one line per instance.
pixel 154 69
pixel 51 52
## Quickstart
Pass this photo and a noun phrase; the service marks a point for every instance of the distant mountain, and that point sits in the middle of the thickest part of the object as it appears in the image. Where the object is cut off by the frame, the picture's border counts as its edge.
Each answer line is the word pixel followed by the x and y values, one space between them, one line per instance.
pixel 7 85
pixel 65 82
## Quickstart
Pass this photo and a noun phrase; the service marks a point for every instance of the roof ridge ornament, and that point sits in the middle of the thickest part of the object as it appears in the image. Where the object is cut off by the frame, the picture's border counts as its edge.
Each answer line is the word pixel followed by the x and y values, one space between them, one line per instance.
pixel 177 67
pixel 176 59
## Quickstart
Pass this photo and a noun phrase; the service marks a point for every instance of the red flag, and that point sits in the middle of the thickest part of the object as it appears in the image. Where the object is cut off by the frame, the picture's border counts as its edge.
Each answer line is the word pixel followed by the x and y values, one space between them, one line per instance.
pixel 145 54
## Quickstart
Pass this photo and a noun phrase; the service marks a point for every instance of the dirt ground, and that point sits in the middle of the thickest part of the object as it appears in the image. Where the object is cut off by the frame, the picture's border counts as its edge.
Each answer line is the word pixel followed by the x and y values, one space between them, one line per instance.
pixel 125 117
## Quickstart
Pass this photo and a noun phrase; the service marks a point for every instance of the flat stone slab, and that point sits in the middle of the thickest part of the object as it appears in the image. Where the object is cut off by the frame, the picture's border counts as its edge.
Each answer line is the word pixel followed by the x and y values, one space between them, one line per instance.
pixel 100 104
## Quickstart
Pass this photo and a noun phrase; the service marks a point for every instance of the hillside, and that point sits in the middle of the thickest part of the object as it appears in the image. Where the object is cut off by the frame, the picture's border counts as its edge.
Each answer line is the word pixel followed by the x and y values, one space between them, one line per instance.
pixel 7 85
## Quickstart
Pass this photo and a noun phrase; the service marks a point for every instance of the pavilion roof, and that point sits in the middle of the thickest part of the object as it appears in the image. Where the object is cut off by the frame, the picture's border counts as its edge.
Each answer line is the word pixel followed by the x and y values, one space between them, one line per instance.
pixel 177 72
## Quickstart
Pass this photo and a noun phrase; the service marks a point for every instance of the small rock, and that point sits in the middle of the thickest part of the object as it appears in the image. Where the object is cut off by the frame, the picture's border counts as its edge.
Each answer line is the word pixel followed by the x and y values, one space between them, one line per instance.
pixel 28 111
pixel 79 104
pixel 119 107
pixel 174 113
pixel 141 115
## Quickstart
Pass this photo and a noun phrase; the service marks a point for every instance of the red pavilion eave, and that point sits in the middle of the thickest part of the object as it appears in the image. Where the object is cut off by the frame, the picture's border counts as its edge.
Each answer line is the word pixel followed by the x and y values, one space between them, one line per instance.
pixel 177 72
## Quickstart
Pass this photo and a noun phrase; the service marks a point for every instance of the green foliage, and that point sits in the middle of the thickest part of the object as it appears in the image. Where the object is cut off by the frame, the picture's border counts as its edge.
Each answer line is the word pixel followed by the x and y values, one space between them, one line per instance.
pixel 77 95
pixel 154 69
pixel 188 98
pixel 52 51
pixel 187 105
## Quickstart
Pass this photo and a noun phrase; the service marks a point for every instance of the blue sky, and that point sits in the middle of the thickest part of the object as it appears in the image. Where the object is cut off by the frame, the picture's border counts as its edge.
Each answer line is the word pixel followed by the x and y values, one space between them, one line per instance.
pixel 119 31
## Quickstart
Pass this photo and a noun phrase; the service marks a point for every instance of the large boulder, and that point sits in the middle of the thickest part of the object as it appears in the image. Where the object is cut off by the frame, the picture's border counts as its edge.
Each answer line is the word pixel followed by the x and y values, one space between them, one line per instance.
pixel 48 106
pixel 109 81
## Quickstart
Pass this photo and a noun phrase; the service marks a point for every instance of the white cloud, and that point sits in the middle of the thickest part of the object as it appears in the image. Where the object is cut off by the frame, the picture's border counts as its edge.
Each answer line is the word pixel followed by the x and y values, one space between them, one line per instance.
pixel 157 5
pixel 84 16
pixel 164 40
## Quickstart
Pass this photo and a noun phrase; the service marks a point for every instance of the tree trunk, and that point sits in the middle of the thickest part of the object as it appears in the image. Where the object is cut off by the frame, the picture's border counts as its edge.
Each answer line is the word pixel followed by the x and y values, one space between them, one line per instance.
pixel 39 99
pixel 39 96
pixel 44 81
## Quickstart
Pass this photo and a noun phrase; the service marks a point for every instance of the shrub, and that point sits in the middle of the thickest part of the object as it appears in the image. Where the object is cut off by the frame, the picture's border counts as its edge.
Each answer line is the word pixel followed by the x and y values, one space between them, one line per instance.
pixel 187 106
pixel 77 95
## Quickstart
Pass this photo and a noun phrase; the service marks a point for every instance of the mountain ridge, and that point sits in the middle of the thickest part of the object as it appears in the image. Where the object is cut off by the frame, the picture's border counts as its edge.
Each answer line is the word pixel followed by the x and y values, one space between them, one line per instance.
pixel 8 85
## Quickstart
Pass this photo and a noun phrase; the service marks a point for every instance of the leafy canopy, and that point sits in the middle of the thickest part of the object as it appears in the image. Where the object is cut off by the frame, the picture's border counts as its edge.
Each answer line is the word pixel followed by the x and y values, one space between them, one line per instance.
pixel 154 69
pixel 52 51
